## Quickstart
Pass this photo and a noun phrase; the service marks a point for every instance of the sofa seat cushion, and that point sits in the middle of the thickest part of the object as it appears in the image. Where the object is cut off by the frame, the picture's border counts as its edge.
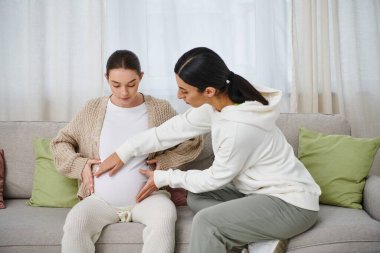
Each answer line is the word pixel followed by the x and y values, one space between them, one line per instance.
pixel 339 229
pixel 39 229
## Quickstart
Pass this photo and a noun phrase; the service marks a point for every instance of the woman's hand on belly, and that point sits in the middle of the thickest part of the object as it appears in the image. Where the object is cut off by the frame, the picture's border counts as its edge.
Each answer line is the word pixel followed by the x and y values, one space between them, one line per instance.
pixel 154 162
pixel 112 164
pixel 87 176
pixel 148 188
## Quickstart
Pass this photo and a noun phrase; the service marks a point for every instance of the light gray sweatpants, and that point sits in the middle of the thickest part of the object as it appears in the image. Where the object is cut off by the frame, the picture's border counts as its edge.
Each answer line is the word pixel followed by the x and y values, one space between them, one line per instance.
pixel 227 218
pixel 86 220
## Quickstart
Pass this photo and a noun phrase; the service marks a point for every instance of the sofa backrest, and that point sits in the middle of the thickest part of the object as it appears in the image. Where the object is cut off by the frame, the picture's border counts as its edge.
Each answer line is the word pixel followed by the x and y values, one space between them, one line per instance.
pixel 16 139
pixel 290 123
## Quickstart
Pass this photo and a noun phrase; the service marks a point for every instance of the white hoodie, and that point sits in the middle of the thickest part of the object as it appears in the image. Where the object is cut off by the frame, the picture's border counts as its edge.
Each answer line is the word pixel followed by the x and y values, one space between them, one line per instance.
pixel 250 152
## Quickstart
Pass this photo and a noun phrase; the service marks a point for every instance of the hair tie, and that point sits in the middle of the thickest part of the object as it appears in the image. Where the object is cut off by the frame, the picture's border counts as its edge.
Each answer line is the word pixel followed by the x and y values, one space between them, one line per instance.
pixel 230 77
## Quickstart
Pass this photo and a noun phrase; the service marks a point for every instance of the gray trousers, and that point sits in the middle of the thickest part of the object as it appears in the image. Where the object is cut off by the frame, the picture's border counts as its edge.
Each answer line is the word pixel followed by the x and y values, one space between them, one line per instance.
pixel 227 218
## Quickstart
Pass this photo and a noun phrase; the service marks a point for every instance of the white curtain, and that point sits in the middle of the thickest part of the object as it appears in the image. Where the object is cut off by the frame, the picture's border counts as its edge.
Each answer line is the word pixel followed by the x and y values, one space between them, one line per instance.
pixel 359 24
pixel 54 52
pixel 50 57
pixel 336 52
pixel 325 53
pixel 315 43
pixel 252 36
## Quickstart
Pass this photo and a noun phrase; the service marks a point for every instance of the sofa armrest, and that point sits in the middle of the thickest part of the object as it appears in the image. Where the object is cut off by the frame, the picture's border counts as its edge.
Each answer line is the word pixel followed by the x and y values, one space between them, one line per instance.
pixel 371 198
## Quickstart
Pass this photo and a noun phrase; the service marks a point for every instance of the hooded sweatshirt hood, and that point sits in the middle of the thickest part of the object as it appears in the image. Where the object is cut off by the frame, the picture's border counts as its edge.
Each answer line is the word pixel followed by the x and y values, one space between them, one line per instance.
pixel 253 112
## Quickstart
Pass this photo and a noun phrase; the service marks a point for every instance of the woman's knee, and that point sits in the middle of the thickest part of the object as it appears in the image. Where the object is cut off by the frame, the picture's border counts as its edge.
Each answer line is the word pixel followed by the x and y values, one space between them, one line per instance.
pixel 170 214
pixel 203 218
pixel 170 210
pixel 204 226
pixel 310 218
pixel 167 213
pixel 163 224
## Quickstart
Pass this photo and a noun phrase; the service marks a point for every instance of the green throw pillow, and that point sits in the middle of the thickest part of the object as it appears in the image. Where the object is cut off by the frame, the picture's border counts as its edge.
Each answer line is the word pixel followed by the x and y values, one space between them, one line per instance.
pixel 50 189
pixel 339 164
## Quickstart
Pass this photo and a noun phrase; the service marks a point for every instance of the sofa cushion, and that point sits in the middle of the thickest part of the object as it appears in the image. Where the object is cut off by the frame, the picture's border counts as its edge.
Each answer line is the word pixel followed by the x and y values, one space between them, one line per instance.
pixel 50 188
pixel 40 229
pixel 339 229
pixel 339 164
pixel 2 171
pixel 25 227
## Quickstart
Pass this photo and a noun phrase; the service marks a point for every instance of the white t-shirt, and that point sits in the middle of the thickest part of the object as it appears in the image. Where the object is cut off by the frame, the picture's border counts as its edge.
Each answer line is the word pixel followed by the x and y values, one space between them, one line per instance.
pixel 119 124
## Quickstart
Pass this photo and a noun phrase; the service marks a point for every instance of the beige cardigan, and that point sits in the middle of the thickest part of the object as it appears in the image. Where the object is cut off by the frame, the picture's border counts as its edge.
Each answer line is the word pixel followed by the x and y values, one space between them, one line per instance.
pixel 78 141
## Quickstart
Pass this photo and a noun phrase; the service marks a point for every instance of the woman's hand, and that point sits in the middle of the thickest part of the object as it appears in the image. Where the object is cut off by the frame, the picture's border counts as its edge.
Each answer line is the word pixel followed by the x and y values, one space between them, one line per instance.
pixel 87 176
pixel 112 164
pixel 148 188
pixel 154 161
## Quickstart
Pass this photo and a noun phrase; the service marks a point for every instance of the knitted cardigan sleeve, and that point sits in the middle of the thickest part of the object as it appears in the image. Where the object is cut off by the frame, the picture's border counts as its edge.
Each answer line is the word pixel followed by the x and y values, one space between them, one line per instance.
pixel 67 158
pixel 182 153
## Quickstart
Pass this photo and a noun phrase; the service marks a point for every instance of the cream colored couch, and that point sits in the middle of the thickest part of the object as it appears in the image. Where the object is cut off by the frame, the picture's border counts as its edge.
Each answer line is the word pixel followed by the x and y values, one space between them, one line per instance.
pixel 38 229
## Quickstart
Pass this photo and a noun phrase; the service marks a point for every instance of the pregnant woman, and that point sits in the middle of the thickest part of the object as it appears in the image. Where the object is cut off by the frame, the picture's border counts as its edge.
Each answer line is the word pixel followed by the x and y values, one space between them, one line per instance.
pixel 95 132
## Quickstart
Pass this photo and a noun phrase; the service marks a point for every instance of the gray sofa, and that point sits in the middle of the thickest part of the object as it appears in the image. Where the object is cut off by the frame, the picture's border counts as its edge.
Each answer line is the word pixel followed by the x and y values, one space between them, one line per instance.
pixel 38 229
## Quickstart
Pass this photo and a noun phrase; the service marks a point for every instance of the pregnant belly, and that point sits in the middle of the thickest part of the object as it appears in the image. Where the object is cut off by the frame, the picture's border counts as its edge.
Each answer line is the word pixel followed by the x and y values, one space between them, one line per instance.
pixel 121 189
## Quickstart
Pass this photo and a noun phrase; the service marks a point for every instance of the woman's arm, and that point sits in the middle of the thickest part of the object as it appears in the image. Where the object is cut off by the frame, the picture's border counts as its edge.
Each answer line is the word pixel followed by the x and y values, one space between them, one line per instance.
pixel 160 111
pixel 230 159
pixel 72 145
pixel 65 147
pixel 66 159
pixel 181 154
pixel 194 122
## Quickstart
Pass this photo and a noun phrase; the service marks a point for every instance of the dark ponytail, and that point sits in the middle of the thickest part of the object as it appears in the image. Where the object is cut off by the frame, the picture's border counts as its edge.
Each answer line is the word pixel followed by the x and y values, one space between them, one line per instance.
pixel 201 67
pixel 240 90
